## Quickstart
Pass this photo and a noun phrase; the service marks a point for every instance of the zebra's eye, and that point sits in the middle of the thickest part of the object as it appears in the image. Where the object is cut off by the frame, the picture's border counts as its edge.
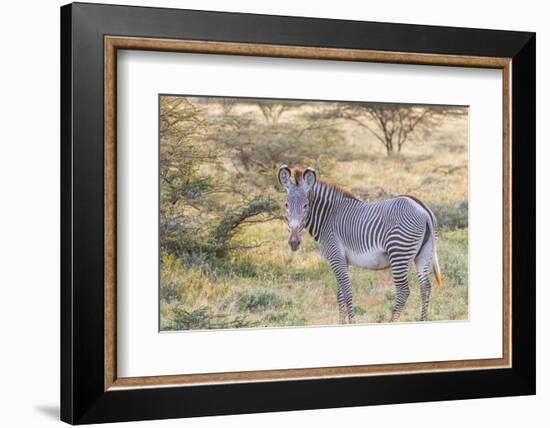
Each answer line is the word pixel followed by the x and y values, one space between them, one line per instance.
pixel 305 206
pixel 286 205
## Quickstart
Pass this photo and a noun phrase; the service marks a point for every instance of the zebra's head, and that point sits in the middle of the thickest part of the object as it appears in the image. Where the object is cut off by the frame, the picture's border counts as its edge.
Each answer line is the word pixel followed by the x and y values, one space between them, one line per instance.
pixel 297 201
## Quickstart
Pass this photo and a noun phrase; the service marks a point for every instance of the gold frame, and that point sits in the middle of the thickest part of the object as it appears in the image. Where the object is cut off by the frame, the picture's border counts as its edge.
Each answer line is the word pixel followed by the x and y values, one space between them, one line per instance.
pixel 112 43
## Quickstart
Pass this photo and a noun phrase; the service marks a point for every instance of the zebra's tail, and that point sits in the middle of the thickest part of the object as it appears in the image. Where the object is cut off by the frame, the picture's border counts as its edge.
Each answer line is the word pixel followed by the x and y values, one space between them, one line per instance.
pixel 432 231
pixel 430 245
pixel 437 271
pixel 435 262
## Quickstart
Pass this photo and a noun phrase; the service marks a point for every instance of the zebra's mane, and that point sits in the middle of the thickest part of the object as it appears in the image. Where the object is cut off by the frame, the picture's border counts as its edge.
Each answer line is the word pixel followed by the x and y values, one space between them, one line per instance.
pixel 298 174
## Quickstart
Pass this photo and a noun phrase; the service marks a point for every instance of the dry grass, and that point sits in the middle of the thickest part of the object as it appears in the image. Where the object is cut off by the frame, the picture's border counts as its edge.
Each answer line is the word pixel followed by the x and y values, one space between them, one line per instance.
pixel 271 286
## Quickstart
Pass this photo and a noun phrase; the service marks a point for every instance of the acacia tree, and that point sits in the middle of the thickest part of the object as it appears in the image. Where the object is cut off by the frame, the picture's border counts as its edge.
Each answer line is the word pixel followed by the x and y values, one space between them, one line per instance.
pixel 259 143
pixel 200 212
pixel 183 189
pixel 218 166
pixel 182 128
pixel 272 111
pixel 393 125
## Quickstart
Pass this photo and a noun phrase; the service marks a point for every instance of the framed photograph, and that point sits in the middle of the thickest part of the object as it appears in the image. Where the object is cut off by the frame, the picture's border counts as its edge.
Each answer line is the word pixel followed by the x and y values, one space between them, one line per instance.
pixel 266 213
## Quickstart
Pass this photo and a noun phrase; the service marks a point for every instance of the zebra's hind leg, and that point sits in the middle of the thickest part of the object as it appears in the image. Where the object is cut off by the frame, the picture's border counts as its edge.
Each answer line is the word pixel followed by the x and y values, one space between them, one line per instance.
pixel 400 271
pixel 423 265
pixel 425 288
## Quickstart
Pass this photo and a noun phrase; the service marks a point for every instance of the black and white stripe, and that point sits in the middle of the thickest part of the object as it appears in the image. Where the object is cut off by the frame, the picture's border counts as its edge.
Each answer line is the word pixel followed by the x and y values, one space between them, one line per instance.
pixel 375 235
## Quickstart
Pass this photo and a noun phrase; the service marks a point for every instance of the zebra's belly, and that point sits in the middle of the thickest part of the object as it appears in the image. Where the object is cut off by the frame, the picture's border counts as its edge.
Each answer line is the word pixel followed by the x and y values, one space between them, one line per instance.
pixel 375 259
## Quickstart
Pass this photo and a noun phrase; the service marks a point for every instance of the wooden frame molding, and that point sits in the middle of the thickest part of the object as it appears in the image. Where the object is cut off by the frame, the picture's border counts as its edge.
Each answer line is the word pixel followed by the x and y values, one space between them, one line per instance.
pixel 113 43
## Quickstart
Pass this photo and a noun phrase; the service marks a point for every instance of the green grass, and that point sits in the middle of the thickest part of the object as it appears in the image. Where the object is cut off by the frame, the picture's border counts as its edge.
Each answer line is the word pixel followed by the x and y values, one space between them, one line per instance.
pixel 271 286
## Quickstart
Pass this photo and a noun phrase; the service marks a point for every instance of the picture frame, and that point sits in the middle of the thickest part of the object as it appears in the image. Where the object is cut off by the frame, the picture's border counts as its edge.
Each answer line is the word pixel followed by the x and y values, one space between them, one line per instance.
pixel 91 390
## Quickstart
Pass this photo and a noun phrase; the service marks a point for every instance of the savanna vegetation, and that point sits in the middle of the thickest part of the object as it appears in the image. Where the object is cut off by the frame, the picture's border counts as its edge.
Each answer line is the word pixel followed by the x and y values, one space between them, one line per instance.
pixel 225 261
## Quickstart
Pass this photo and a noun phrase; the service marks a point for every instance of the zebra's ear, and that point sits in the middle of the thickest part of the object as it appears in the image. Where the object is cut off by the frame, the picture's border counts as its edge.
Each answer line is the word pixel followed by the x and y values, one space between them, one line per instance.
pixel 309 178
pixel 284 176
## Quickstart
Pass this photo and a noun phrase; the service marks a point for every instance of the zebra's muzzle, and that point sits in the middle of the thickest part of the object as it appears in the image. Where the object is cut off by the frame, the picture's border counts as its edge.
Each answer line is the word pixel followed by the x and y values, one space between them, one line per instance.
pixel 294 245
pixel 294 240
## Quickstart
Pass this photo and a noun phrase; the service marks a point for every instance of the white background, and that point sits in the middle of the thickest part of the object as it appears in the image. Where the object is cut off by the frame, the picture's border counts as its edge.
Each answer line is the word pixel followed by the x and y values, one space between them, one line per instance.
pixel 142 351
pixel 29 219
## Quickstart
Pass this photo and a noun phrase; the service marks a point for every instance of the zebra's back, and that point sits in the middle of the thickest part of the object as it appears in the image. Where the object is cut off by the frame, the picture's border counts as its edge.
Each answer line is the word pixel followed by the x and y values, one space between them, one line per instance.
pixel 366 230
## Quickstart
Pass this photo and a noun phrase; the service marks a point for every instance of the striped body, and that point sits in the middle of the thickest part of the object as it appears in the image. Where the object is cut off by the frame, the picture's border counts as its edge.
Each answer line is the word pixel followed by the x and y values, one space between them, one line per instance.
pixel 374 235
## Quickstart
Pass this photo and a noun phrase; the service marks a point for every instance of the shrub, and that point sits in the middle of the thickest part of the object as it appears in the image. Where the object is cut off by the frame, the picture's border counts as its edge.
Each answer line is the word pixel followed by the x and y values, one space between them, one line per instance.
pixel 202 318
pixel 453 257
pixel 243 267
pixel 451 216
pixel 259 299
pixel 186 284
pixel 284 318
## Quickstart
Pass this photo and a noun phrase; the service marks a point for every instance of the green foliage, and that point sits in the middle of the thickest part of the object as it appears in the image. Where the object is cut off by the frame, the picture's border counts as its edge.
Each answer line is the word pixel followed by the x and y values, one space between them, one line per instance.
pixel 182 187
pixel 259 299
pixel 187 283
pixel 200 211
pixel 454 258
pixel 183 319
pixel 283 318
pixel 451 216
pixel 228 226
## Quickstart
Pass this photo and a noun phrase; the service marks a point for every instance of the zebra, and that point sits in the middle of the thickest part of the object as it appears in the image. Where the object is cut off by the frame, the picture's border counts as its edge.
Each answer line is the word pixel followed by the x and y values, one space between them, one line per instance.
pixel 376 235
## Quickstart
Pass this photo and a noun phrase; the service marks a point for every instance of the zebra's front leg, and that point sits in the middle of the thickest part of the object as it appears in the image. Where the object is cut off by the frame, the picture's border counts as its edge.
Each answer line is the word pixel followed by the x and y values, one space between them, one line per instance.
pixel 400 272
pixel 343 291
